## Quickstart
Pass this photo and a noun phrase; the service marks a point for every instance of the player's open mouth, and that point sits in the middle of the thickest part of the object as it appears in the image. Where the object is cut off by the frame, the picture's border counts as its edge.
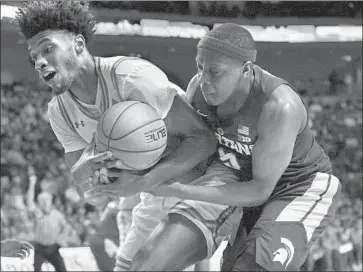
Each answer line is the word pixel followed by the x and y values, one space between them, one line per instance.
pixel 209 94
pixel 48 76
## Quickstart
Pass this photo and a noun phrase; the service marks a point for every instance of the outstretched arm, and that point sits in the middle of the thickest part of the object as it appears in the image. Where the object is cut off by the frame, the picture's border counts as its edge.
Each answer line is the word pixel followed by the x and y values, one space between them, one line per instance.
pixel 31 189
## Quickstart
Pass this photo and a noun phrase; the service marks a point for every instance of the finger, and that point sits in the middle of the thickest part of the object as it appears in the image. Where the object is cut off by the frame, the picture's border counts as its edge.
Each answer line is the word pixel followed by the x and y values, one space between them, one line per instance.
pixel 104 176
pixel 100 158
pixel 114 164
pixel 95 178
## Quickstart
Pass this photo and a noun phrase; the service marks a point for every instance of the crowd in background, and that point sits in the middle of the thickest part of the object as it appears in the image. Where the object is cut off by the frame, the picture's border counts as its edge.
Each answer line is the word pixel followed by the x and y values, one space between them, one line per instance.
pixel 27 138
pixel 248 9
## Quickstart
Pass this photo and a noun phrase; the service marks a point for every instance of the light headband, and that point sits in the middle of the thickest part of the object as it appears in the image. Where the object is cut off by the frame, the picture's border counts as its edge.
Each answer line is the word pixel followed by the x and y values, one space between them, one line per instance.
pixel 227 49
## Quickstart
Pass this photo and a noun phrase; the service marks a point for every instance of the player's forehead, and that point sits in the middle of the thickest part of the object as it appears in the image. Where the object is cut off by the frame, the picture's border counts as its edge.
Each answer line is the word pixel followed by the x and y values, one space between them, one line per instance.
pixel 54 36
pixel 210 58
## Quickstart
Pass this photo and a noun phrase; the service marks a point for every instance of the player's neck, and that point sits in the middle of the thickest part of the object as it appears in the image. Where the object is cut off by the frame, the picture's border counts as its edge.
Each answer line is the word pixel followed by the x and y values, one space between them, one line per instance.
pixel 84 85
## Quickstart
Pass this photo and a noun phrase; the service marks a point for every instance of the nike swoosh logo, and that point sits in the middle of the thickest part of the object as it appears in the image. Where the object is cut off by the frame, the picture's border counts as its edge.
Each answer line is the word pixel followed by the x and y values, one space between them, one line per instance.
pixel 202 114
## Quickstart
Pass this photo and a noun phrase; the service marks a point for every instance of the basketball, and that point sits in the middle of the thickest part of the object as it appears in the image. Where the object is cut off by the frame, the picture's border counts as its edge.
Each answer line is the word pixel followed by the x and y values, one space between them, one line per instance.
pixel 135 134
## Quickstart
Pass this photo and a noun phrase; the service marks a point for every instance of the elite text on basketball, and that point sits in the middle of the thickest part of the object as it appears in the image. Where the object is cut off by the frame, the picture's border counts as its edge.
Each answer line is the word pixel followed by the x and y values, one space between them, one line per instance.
pixel 155 135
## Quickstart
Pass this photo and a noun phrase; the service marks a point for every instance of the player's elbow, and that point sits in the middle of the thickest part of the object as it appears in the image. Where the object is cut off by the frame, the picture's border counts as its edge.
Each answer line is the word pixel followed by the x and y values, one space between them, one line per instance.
pixel 258 194
pixel 263 192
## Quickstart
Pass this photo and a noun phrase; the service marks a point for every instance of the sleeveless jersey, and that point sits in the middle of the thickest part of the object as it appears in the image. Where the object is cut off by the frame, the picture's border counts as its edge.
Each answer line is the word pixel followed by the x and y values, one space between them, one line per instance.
pixel 237 136
pixel 119 79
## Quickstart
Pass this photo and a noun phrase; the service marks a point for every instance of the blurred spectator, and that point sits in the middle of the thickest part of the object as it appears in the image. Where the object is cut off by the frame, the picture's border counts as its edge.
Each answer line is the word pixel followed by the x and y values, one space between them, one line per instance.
pixel 50 226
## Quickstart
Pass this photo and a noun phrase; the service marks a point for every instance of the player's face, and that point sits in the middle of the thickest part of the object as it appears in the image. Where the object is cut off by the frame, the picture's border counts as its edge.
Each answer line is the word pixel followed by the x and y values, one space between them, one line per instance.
pixel 219 76
pixel 55 58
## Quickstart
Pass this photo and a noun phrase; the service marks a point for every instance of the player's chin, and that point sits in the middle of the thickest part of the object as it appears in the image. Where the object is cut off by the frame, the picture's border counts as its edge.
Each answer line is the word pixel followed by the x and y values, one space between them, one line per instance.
pixel 58 90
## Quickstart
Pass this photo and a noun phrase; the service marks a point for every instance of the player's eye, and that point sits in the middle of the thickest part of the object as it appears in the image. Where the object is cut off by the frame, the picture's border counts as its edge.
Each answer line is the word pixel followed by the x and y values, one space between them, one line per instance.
pixel 215 72
pixel 48 49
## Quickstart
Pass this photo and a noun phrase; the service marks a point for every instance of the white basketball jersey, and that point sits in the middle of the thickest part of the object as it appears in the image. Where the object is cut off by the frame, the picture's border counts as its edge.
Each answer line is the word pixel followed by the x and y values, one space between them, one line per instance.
pixel 119 79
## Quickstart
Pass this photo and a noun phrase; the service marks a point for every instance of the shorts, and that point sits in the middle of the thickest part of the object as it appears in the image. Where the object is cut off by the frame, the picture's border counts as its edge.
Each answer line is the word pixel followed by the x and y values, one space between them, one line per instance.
pixel 215 221
pixel 286 227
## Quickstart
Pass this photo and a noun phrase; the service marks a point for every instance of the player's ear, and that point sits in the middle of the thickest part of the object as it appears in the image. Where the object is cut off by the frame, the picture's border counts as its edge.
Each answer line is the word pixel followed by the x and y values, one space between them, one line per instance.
pixel 80 43
pixel 246 68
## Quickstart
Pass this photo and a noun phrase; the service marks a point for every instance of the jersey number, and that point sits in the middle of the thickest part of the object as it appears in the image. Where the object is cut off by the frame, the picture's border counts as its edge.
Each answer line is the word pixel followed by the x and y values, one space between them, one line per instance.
pixel 228 159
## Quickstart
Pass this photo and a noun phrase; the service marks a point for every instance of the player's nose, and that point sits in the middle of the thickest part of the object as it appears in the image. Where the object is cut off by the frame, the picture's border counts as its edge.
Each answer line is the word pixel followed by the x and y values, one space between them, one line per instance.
pixel 40 64
pixel 204 78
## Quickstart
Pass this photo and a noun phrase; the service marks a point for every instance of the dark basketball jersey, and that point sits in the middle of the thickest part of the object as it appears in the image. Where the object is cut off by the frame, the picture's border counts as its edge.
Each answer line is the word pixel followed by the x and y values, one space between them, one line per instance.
pixel 237 135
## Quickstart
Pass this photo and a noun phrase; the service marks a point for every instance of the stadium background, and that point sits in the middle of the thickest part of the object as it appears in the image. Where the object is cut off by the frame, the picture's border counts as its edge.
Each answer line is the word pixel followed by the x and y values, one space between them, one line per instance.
pixel 327 72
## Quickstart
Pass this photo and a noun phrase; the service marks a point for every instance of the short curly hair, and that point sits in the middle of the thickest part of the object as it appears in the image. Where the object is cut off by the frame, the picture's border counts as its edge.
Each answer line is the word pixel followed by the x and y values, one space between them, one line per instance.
pixel 73 16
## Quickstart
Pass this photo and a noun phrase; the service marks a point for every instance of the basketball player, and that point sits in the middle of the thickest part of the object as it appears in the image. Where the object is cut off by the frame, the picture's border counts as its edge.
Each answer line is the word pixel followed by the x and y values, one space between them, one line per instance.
pixel 85 86
pixel 262 128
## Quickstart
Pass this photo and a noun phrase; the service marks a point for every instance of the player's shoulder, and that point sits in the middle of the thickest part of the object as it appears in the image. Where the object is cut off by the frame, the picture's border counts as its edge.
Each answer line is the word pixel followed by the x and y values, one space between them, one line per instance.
pixel 123 64
pixel 284 102
pixel 284 98
pixel 107 63
pixel 57 107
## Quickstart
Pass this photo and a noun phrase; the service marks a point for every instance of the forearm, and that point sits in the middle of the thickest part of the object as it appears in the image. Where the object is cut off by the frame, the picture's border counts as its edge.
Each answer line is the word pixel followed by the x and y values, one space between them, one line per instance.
pixel 31 192
pixel 189 154
pixel 243 194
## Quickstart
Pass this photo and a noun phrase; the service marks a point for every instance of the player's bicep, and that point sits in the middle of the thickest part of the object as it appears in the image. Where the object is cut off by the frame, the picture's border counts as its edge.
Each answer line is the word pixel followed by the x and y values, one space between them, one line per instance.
pixel 183 121
pixel 277 130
